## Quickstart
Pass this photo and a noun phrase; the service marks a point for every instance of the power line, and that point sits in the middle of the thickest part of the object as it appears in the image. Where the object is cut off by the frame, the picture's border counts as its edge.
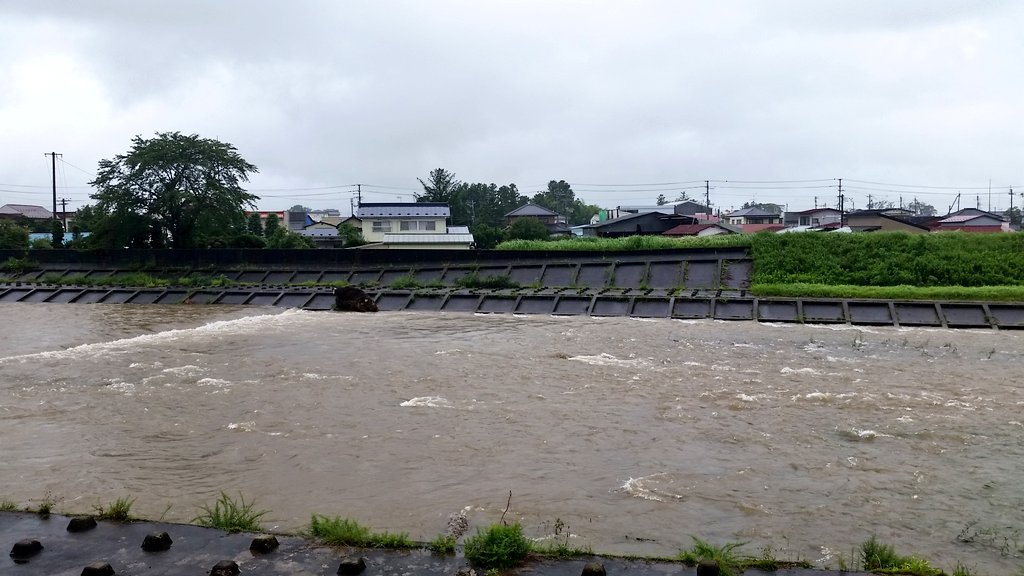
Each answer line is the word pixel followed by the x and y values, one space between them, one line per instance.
pixel 63 161
pixel 634 185
pixel 918 185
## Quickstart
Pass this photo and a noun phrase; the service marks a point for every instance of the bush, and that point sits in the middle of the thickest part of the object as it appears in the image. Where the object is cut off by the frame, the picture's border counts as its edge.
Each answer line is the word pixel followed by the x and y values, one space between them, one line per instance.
pixel 499 546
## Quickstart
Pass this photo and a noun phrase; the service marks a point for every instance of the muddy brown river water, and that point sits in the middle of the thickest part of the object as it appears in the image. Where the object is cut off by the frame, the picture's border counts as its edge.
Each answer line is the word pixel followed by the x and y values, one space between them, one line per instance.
pixel 633 434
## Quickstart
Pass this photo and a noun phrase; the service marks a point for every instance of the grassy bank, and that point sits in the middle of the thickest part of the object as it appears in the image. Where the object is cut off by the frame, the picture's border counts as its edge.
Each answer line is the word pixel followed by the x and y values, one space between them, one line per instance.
pixel 943 266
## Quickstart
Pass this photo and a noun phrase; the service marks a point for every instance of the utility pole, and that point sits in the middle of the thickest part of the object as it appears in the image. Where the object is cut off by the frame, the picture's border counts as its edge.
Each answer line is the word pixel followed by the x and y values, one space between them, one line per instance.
pixel 1011 204
pixel 359 193
pixel 707 195
pixel 53 157
pixel 842 206
pixel 64 212
pixel 871 205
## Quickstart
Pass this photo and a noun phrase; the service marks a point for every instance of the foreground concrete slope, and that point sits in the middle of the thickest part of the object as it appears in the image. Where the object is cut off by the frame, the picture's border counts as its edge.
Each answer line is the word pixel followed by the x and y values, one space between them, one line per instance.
pixel 195 551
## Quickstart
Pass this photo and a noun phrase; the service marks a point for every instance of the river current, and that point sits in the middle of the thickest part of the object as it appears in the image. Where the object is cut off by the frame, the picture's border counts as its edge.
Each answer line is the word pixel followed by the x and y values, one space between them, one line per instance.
pixel 631 435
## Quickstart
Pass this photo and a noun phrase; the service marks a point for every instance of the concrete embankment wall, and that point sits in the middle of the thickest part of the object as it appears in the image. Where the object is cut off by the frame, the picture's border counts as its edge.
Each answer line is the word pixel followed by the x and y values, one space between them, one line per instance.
pixel 683 284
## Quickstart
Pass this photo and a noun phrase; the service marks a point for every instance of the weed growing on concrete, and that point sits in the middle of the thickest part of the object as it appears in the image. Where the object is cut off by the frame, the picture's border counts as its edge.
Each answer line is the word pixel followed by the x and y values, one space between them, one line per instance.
pixel 876 556
pixel 475 280
pixel 767 561
pixel 406 282
pixel 558 546
pixel 8 505
pixel 729 562
pixel 46 505
pixel 443 544
pixel 499 546
pixel 119 510
pixel 338 531
pixel 231 515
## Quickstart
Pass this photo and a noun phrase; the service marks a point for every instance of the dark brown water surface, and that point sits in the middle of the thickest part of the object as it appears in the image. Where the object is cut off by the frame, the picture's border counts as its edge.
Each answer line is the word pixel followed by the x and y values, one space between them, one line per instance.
pixel 635 434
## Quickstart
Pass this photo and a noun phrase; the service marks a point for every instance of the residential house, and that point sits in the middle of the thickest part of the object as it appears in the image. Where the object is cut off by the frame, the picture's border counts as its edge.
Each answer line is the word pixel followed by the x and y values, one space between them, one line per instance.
pixel 24 212
pixel 886 220
pixel 646 223
pixel 971 220
pixel 686 208
pixel 703 229
pixel 753 215
pixel 814 218
pixel 553 221
pixel 411 225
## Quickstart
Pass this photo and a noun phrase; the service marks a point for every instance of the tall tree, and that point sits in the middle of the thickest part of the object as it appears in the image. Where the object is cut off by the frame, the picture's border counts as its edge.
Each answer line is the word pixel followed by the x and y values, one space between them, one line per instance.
pixel 439 187
pixel 186 186
pixel 254 225
pixel 661 201
pixel 766 206
pixel 271 225
pixel 559 198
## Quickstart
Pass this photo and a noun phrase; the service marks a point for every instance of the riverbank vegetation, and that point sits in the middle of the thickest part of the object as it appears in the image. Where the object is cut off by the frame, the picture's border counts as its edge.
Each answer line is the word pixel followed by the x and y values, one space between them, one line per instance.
pixel 120 510
pixel 501 546
pixel 230 515
pixel 889 265
pixel 338 531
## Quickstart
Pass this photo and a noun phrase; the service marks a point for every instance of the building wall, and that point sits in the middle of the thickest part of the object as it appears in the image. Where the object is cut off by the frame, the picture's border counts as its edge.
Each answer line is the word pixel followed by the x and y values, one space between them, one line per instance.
pixel 884 224
pixel 416 247
pixel 371 235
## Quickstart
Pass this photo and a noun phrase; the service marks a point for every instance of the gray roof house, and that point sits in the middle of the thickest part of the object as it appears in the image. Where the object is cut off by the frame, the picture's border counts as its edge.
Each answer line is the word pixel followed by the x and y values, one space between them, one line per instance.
pixel 647 223
pixel 18 211
pixel 553 221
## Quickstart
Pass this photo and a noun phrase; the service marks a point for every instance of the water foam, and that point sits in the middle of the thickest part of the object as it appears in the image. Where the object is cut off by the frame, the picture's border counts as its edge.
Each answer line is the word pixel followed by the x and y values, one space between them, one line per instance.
pixel 247 325
pixel 428 401
pixel 605 359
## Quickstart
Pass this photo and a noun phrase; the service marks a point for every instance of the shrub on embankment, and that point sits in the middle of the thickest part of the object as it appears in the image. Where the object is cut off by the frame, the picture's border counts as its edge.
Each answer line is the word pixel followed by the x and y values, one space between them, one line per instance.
pixel 889 259
pixel 626 243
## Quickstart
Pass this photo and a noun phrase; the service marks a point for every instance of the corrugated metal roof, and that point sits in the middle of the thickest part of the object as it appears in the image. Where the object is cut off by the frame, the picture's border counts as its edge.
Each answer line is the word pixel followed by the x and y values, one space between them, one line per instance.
pixel 26 210
pixel 404 210
pixel 428 238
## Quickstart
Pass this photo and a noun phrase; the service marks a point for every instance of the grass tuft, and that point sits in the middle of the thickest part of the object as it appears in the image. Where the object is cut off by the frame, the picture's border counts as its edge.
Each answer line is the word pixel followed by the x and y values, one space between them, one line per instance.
pixel 231 515
pixel 119 510
pixel 729 562
pixel 499 546
pixel 444 544
pixel 8 505
pixel 338 531
pixel 879 557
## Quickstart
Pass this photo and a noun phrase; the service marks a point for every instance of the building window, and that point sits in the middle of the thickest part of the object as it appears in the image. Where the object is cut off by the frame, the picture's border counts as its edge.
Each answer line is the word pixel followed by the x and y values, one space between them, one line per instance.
pixel 418 225
pixel 382 226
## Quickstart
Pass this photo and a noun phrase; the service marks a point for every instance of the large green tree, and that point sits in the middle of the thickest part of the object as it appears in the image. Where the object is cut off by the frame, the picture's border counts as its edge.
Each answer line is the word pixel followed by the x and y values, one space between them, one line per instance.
pixel 186 187
pixel 560 198
pixel 440 186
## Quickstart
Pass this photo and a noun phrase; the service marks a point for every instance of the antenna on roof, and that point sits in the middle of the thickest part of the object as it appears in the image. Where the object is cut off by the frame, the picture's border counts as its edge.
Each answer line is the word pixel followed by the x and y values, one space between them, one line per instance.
pixel 956 201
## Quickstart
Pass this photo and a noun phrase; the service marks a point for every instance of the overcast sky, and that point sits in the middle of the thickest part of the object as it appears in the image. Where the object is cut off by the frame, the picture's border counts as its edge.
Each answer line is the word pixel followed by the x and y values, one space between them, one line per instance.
pixel 624 100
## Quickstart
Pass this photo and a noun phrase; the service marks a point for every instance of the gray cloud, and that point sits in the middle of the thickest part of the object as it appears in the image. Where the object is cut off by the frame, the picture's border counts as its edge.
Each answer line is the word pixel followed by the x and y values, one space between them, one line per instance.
pixel 327 93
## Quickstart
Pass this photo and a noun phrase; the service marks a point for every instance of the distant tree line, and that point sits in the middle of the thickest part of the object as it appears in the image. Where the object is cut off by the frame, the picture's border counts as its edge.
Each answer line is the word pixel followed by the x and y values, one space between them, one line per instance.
pixel 483 207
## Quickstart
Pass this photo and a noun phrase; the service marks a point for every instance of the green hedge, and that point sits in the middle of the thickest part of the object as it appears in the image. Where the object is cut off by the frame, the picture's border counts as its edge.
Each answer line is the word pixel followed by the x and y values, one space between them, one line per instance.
pixel 889 259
